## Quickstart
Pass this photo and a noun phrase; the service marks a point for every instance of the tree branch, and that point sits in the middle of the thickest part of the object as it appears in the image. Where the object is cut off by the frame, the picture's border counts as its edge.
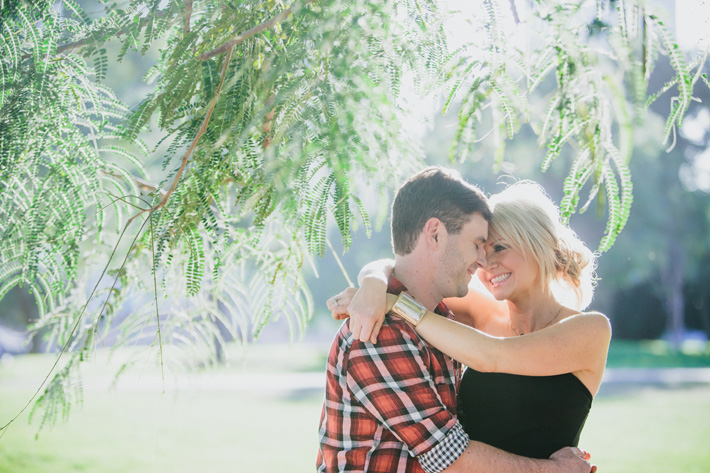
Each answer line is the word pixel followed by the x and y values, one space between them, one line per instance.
pixel 246 35
pixel 141 183
pixel 62 48
pixel 187 13
pixel 200 132
pixel 515 12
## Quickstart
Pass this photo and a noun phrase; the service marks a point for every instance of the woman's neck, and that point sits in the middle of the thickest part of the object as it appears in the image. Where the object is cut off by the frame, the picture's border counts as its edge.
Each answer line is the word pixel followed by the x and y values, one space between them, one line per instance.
pixel 533 313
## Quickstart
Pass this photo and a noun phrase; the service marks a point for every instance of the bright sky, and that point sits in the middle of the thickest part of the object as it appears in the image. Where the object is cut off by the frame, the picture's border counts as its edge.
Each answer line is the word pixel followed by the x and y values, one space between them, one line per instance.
pixel 693 24
pixel 693 20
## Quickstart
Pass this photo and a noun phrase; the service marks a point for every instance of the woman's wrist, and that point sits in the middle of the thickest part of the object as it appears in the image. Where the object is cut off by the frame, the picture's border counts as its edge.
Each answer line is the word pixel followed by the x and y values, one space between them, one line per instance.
pixel 407 308
pixel 390 301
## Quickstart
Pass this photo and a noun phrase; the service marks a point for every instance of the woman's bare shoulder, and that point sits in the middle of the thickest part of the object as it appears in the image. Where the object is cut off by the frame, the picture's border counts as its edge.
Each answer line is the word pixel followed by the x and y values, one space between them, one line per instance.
pixel 591 316
pixel 589 321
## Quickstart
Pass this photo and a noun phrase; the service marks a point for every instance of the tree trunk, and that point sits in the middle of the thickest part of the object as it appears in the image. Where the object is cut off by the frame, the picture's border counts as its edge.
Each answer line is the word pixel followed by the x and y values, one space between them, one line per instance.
pixel 672 280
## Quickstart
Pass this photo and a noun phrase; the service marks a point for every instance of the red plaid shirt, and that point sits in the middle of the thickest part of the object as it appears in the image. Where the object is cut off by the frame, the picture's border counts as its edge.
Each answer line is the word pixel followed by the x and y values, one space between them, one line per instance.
pixel 390 407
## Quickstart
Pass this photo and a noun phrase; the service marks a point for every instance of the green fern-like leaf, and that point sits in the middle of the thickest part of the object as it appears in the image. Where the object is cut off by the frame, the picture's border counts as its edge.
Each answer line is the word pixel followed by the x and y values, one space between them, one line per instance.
pixel 614 222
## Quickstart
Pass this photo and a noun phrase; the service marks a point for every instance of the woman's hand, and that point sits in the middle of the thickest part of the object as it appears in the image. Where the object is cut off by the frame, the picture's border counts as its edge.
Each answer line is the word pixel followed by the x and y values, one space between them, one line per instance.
pixel 338 304
pixel 365 306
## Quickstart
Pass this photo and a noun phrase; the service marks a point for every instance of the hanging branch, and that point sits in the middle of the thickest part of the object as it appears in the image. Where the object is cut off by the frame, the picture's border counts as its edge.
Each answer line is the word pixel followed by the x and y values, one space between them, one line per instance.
pixel 141 183
pixel 514 10
pixel 63 48
pixel 46 215
pixel 79 318
pixel 187 13
pixel 268 119
pixel 200 132
pixel 246 35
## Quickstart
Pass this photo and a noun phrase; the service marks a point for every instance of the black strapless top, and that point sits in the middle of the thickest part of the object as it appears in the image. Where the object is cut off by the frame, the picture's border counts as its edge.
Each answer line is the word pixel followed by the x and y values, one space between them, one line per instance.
pixel 532 416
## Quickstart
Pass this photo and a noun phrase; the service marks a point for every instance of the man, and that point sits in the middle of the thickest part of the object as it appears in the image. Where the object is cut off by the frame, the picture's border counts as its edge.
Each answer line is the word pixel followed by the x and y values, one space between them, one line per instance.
pixel 391 407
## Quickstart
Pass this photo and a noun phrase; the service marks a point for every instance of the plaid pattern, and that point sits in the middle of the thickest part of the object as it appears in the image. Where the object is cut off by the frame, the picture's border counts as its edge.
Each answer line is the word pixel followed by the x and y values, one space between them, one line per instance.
pixel 446 452
pixel 390 407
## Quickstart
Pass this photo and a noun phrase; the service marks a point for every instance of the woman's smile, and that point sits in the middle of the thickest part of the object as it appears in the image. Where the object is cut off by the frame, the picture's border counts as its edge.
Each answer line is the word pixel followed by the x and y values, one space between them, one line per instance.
pixel 500 279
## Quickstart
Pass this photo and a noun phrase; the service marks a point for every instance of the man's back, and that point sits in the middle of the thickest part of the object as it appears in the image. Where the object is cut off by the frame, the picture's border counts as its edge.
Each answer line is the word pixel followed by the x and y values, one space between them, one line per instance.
pixel 388 403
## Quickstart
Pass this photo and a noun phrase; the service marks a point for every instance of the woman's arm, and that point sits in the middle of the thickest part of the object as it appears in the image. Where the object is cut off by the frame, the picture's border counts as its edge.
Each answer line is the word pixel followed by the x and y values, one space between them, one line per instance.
pixel 379 270
pixel 367 309
pixel 366 306
pixel 579 342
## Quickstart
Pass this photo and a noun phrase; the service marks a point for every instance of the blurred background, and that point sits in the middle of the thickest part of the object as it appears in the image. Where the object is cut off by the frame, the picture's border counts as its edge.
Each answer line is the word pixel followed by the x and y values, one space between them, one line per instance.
pixel 260 412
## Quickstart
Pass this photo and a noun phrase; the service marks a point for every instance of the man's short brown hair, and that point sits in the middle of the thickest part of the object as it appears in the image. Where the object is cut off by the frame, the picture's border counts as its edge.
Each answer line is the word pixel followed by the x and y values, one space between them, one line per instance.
pixel 433 193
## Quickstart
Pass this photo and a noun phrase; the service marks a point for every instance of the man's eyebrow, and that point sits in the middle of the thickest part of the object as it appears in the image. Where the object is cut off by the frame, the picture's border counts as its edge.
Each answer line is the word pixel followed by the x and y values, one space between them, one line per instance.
pixel 480 239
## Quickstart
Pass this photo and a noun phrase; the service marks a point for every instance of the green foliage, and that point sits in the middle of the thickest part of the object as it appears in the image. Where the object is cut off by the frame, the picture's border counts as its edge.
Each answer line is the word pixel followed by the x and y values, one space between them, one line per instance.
pixel 54 160
pixel 268 116
pixel 63 391
pixel 600 65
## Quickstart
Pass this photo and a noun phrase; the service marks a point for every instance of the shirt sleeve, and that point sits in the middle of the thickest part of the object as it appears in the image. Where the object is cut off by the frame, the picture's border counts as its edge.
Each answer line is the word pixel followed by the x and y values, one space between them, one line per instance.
pixel 445 452
pixel 393 383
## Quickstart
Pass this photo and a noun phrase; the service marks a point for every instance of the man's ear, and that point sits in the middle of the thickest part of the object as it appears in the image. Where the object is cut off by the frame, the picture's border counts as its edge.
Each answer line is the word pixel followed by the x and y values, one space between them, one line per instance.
pixel 434 232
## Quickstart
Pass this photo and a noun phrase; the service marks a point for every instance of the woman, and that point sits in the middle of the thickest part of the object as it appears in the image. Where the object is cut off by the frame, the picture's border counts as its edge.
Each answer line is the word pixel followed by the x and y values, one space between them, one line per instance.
pixel 528 395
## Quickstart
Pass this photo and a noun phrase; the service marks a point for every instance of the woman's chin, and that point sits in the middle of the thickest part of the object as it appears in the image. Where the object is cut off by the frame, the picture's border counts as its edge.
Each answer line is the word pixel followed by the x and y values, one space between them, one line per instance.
pixel 498 293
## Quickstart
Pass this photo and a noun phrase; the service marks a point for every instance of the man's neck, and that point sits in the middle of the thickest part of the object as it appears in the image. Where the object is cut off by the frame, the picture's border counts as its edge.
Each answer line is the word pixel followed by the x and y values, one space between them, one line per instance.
pixel 418 279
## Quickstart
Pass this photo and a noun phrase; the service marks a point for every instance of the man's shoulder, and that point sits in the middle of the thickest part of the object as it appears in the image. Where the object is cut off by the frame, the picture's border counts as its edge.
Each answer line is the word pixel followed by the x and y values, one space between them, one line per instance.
pixel 395 329
pixel 393 332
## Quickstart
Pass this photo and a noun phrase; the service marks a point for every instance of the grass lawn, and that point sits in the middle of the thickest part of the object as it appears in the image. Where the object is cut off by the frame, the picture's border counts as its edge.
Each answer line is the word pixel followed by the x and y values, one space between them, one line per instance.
pixel 220 425
pixel 657 354
pixel 136 428
pixel 650 430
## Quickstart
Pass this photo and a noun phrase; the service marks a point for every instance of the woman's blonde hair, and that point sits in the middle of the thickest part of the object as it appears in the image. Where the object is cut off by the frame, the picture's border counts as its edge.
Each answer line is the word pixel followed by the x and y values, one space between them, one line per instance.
pixel 525 217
